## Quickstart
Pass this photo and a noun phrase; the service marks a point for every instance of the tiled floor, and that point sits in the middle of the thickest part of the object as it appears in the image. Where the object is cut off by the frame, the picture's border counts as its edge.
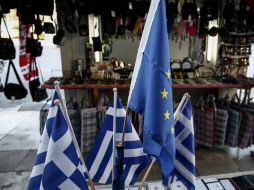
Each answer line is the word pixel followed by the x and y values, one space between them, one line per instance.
pixel 19 140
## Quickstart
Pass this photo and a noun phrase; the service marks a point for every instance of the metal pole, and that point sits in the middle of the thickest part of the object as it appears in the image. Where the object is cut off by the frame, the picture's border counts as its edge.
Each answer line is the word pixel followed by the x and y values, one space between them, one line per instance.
pixel 124 125
pixel 64 109
pixel 114 135
pixel 118 183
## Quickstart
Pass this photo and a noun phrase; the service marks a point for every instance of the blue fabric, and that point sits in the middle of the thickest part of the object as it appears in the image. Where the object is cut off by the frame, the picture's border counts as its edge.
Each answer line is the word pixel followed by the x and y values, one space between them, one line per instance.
pixel 57 165
pixel 133 146
pixel 146 97
pixel 185 149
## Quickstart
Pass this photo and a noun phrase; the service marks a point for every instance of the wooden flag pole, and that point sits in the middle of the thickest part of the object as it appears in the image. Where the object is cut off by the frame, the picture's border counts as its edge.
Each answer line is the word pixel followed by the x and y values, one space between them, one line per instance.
pixel 147 173
pixel 176 115
pixel 64 109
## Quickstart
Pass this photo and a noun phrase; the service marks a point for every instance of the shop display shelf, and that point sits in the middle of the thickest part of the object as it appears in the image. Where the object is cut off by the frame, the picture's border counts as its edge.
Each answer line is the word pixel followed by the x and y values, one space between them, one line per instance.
pixel 127 86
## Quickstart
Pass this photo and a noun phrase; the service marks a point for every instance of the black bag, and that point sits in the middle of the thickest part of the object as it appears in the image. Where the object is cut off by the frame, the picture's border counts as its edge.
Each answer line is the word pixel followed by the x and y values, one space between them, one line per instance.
pixel 97 43
pixel 7 49
pixel 189 9
pixel 38 94
pixel 38 27
pixel 58 38
pixel 44 7
pixel 49 28
pixel 34 47
pixel 14 91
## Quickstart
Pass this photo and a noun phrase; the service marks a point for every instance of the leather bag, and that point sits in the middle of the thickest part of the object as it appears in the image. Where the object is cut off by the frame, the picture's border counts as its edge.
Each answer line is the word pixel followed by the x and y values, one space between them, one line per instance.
pixel 38 94
pixel 13 91
pixel 7 48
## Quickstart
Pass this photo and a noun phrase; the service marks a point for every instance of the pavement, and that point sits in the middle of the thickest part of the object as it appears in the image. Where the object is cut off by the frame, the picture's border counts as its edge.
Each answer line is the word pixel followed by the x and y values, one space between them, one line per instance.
pixel 20 137
pixel 19 141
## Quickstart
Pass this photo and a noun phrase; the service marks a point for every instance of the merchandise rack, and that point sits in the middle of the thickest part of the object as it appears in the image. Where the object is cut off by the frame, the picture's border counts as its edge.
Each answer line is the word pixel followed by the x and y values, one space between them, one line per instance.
pixel 126 86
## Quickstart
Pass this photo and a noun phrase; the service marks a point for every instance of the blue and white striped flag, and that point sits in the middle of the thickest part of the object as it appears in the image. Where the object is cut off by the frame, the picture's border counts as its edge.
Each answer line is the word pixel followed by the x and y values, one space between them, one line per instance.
pixel 57 164
pixel 99 161
pixel 184 162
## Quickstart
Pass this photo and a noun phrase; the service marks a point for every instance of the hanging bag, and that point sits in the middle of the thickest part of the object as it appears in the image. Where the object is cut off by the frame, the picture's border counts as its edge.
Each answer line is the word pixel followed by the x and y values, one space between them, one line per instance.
pixel 7 48
pixel 189 10
pixel 38 94
pixel 91 120
pixel 204 124
pixel 14 91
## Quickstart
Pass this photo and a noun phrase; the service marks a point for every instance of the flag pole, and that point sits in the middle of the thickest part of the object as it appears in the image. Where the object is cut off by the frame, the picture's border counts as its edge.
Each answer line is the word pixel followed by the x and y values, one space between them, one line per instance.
pixel 180 107
pixel 124 124
pixel 176 115
pixel 147 173
pixel 114 135
pixel 64 109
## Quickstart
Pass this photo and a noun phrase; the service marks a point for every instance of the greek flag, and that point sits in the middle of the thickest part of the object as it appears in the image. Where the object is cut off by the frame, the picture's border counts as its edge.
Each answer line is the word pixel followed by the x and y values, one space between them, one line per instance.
pixel 99 161
pixel 185 148
pixel 57 164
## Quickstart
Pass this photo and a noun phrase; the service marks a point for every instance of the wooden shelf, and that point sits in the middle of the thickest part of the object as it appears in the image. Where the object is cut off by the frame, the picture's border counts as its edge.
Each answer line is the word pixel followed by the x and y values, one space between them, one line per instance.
pixel 87 86
pixel 126 86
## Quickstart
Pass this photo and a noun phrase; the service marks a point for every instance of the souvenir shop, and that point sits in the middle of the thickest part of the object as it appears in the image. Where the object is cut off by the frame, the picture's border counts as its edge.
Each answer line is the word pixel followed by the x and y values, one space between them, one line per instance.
pixel 210 58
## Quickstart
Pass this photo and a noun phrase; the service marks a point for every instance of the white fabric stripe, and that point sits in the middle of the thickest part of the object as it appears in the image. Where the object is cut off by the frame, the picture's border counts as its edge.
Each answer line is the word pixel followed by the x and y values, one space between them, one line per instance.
pixel 185 152
pixel 55 154
pixel 64 141
pixel 101 153
pixel 68 184
pixel 133 152
pixel 186 173
pixel 45 137
pixel 41 187
pixel 37 170
pixel 107 171
pixel 128 136
pixel 44 142
pixel 132 170
pixel 143 42
pixel 188 125
pixel 52 112
pixel 120 112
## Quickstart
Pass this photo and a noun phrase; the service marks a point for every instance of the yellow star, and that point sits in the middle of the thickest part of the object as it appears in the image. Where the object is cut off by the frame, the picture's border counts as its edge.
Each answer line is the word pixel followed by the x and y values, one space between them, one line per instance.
pixel 172 130
pixel 164 94
pixel 167 114
pixel 168 74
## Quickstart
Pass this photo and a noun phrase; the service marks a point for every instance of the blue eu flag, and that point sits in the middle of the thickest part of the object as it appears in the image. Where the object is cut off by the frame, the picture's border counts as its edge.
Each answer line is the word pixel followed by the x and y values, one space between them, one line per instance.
pixel 151 89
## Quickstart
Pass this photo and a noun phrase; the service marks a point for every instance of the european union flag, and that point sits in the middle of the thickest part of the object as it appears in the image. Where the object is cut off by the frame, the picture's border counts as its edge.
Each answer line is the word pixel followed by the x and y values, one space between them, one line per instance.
pixel 57 164
pixel 151 89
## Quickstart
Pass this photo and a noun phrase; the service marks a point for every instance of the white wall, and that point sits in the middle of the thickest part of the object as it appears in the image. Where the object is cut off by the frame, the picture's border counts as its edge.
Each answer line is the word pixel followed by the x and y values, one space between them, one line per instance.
pixel 126 49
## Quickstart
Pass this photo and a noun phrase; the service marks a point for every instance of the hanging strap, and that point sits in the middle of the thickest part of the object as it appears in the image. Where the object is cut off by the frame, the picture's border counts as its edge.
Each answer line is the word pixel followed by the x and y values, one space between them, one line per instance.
pixel 15 71
pixel 30 68
pixel 38 70
pixel 33 62
pixel 6 28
